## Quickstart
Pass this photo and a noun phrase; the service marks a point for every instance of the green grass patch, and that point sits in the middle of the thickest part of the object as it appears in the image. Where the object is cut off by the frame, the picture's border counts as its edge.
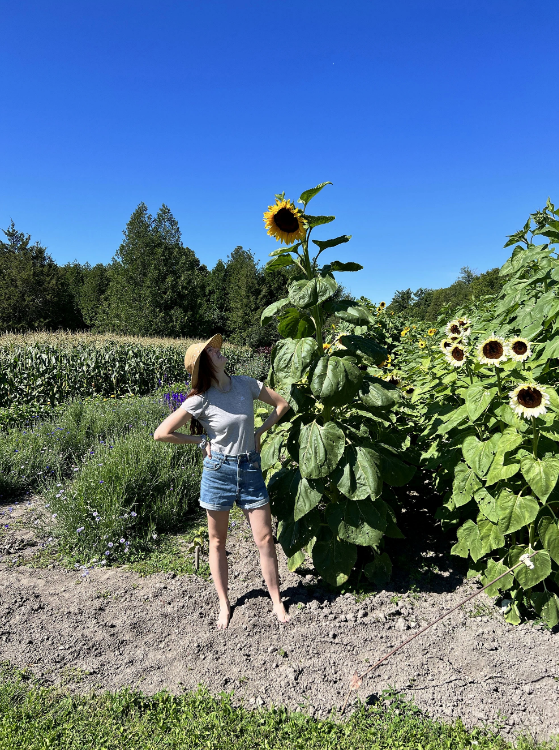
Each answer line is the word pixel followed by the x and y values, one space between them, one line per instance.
pixel 36 718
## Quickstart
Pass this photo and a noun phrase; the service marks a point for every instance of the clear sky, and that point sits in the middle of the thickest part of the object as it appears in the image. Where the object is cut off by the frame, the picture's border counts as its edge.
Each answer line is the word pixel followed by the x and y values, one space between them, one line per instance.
pixel 436 120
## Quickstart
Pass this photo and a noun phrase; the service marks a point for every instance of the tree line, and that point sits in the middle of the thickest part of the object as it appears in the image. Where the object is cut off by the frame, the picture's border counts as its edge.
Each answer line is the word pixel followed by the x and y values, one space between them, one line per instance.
pixel 427 304
pixel 154 286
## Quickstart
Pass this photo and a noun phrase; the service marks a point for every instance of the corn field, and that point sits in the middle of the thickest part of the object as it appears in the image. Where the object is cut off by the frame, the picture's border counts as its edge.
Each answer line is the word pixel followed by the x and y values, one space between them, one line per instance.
pixel 49 368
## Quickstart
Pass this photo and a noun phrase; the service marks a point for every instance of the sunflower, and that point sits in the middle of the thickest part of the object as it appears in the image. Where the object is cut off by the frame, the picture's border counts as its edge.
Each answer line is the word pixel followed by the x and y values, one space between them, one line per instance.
pixel 447 343
pixel 519 349
pixel 421 344
pixel 408 391
pixel 326 346
pixel 405 331
pixel 492 351
pixel 453 328
pixel 529 400
pixel 392 378
pixel 382 305
pixel 431 331
pixel 285 222
pixel 456 355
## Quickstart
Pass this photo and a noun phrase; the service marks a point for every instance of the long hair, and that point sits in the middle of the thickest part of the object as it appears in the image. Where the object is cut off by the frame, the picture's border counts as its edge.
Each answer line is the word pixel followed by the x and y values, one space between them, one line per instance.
pixel 206 377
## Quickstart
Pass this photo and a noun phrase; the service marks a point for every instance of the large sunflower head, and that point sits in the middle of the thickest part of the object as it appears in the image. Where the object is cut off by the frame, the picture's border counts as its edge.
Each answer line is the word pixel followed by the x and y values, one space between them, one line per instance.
pixel 492 351
pixel 465 326
pixel 519 349
pixel 456 355
pixel 285 222
pixel 446 344
pixel 529 400
pixel 382 305
pixel 453 328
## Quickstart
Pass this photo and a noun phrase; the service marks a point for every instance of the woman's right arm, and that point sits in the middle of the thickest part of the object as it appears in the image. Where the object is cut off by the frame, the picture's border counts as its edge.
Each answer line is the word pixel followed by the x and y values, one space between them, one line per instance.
pixel 166 432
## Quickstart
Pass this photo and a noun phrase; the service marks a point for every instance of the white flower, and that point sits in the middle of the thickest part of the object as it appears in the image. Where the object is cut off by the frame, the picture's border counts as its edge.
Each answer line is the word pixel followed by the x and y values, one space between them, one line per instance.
pixel 519 349
pixel 492 351
pixel 529 400
pixel 453 328
pixel 456 355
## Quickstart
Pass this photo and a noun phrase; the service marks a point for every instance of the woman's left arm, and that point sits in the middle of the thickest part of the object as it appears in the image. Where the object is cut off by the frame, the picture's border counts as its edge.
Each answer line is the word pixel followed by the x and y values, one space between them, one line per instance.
pixel 281 407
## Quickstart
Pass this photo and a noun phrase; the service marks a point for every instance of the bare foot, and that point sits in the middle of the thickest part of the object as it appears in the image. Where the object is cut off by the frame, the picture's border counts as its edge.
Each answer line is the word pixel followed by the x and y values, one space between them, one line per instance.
pixel 224 616
pixel 280 613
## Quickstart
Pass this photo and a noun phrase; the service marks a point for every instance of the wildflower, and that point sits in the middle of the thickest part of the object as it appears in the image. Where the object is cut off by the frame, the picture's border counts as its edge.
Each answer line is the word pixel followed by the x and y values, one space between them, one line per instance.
pixel 519 349
pixel 154 536
pixel 80 529
pixel 110 544
pixel 431 331
pixel 107 553
pixel 326 346
pixel 285 222
pixel 453 328
pixel 529 400
pixel 121 541
pixel 133 514
pixel 95 513
pixel 421 344
pixel 456 355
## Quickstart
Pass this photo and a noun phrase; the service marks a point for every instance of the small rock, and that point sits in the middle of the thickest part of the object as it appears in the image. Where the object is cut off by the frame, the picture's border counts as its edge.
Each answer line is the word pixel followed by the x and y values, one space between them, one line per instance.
pixel 332 634
pixel 343 618
pixel 401 624
pixel 362 613
pixel 528 689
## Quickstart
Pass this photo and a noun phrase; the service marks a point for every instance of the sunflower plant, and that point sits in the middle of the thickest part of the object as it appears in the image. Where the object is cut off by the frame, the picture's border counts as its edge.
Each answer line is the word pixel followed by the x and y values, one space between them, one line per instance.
pixel 490 427
pixel 331 462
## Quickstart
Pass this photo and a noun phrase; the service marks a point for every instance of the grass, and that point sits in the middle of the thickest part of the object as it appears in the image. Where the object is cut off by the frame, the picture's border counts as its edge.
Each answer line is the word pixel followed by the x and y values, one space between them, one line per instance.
pixel 35 717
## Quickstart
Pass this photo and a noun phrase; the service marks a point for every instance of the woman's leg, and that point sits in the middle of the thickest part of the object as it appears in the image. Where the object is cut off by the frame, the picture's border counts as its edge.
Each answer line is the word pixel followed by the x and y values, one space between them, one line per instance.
pixel 260 520
pixel 218 521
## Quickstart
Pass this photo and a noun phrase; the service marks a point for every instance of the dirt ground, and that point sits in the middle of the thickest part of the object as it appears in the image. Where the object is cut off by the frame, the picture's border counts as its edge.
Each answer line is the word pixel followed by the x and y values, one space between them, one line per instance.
pixel 114 628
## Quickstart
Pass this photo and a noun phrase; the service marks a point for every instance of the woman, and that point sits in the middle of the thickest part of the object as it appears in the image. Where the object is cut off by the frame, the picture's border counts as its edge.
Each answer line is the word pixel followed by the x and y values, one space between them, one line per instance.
pixel 221 409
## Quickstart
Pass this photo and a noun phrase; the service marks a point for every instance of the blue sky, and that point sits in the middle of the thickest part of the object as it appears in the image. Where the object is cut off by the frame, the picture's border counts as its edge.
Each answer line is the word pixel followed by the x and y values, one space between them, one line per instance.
pixel 436 120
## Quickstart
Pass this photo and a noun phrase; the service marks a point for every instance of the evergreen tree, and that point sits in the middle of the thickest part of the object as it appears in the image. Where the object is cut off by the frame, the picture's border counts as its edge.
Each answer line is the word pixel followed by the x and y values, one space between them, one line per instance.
pixel 31 286
pixel 92 293
pixel 156 283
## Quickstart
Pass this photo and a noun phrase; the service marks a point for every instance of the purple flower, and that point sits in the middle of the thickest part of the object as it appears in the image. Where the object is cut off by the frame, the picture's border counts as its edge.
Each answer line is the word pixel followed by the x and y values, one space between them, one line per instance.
pixel 122 541
pixel 95 513
pixel 101 481
pixel 80 529
pixel 107 552
pixel 133 514
pixel 110 544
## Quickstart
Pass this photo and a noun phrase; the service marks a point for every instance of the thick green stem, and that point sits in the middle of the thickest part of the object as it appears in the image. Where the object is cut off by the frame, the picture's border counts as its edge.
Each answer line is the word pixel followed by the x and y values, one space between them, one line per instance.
pixel 535 438
pixel 498 374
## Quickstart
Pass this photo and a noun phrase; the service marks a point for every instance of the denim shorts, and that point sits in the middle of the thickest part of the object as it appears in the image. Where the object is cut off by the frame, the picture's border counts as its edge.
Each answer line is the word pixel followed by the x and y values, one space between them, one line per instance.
pixel 230 479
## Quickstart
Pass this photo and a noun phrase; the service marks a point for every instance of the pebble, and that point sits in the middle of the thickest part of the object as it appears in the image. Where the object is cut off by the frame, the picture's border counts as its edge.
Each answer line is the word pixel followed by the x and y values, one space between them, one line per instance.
pixel 401 624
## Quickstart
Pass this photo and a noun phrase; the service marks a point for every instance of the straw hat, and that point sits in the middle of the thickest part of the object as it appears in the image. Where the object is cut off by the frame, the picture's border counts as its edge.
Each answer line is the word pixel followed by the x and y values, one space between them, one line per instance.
pixel 192 356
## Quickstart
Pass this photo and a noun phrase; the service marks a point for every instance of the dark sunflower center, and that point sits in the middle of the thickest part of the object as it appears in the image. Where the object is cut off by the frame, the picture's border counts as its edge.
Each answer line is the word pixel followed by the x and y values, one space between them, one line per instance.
pixel 531 398
pixel 519 347
pixel 410 390
pixel 457 354
pixel 455 329
pixel 447 344
pixel 493 350
pixel 286 220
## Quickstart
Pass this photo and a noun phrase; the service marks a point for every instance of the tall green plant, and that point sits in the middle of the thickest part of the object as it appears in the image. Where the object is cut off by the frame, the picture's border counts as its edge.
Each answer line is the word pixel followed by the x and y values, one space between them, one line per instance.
pixel 490 422
pixel 328 461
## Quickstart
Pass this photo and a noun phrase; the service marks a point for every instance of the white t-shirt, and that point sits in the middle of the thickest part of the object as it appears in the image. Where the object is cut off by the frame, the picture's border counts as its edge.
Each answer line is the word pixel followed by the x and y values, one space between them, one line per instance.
pixel 228 418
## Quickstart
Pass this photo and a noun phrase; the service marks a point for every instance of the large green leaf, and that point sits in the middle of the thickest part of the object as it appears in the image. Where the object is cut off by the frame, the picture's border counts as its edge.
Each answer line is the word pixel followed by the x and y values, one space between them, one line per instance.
pixel 307 293
pixel 379 570
pixel 546 604
pixel 373 512
pixel 282 261
pixel 528 577
pixel 358 475
pixel 469 542
pixel 294 535
pixel 493 570
pixel 271 448
pixel 282 489
pixel 284 250
pixel 491 536
pixel 337 265
pixel 333 558
pixel 507 415
pixel 478 454
pixel 377 394
pixel 316 221
pixel 320 449
pixel 394 471
pixel 478 398
pixel 309 494
pixel 349 312
pixel 292 358
pixel 515 510
pixel 364 347
pixel 510 439
pixel 363 535
pixel 296 560
pixel 465 484
pixel 548 532
pixel 295 324
pixel 541 474
pixel 325 244
pixel 307 195
pixel 487 505
pixel 272 310
pixel 336 380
